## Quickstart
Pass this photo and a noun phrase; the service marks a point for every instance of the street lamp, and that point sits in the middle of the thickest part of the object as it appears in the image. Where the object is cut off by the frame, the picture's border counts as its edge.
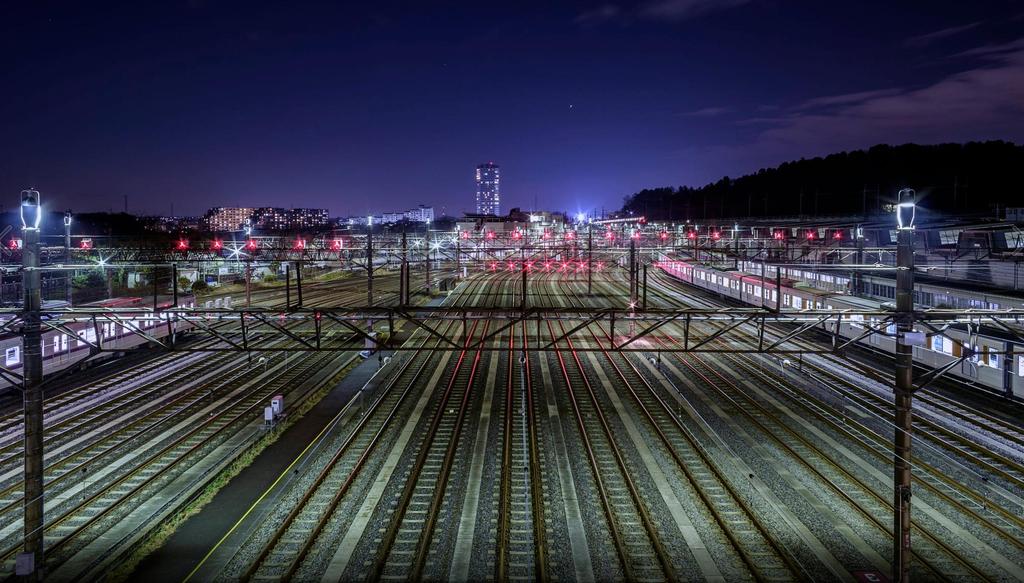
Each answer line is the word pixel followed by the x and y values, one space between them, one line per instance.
pixel 29 563
pixel 904 389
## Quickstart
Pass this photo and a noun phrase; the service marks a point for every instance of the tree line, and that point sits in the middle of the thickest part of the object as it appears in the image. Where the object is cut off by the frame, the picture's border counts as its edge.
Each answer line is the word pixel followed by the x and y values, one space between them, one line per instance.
pixel 975 178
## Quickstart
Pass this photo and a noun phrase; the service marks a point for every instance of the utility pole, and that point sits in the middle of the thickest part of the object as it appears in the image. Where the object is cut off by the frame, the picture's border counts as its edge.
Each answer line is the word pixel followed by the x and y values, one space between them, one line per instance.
pixel 250 247
pixel 736 247
pixel 67 256
pixel 369 263
pixel 590 259
pixel 403 272
pixel 426 261
pixel 458 260
pixel 644 303
pixel 632 273
pixel 523 299
pixel 904 392
pixel 30 563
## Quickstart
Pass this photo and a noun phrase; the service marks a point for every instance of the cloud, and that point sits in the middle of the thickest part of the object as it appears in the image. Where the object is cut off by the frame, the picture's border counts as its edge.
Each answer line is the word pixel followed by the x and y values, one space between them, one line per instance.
pixel 980 103
pixel 708 112
pixel 993 51
pixel 845 98
pixel 598 15
pixel 667 10
pixel 924 40
pixel 684 9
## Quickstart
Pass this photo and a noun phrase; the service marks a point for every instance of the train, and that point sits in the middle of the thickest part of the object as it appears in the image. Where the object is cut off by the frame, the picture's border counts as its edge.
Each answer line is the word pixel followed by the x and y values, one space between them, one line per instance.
pixel 927 293
pixel 986 365
pixel 61 351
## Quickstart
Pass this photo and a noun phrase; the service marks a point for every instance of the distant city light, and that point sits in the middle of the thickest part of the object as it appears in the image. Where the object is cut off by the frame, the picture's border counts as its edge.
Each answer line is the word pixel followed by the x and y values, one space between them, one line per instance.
pixel 581 218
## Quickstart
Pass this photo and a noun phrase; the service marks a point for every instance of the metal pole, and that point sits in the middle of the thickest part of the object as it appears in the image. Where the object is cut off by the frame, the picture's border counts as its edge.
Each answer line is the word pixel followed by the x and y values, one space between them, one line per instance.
pixel 632 272
pixel 644 304
pixel 590 259
pixel 174 282
pixel 68 273
pixel 156 290
pixel 287 287
pixel 523 300
pixel 426 259
pixel 778 288
pixel 33 394
pixel 458 260
pixel 248 282
pixel 904 401
pixel 369 267
pixel 298 280
pixel 403 290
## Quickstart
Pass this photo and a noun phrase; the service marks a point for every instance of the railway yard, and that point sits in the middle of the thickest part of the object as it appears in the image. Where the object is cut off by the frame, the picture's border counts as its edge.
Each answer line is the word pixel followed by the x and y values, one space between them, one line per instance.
pixel 576 462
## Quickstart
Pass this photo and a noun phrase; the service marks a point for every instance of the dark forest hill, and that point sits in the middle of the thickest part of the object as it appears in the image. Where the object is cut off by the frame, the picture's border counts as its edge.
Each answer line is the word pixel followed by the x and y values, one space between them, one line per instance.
pixel 976 178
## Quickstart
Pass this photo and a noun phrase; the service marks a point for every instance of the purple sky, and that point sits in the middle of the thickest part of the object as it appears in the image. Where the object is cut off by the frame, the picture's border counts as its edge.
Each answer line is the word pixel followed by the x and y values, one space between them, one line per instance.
pixel 380 106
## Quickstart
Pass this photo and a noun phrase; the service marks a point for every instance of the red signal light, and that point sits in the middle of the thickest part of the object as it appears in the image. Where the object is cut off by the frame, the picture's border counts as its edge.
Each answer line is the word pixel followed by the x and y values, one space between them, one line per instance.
pixel 300 244
pixel 716 235
pixel 838 235
pixel 691 235
pixel 609 235
pixel 778 234
pixel 810 235
pixel 15 244
pixel 85 244
pixel 663 235
pixel 182 245
pixel 251 244
pixel 489 235
pixel 216 244
pixel 336 245
pixel 464 234
pixel 570 235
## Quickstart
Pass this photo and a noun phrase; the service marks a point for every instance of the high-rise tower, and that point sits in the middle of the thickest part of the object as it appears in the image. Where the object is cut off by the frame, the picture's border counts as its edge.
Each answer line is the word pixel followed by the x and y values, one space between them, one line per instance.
pixel 488 189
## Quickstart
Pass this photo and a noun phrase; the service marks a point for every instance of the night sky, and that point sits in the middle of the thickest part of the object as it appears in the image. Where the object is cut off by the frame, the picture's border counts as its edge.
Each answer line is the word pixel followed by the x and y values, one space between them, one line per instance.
pixel 379 106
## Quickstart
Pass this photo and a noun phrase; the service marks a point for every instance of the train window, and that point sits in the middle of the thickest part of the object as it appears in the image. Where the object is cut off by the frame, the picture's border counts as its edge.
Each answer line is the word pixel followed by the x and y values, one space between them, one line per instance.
pixel 993 359
pixel 13 355
pixel 798 302
pixel 1020 365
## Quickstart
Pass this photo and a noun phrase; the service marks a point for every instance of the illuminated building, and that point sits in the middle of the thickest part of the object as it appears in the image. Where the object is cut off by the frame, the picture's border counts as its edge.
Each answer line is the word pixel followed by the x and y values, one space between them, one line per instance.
pixel 488 189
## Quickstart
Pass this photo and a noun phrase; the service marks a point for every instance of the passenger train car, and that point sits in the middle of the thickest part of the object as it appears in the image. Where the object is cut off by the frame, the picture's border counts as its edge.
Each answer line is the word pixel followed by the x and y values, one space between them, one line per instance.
pixel 926 293
pixel 61 351
pixel 984 367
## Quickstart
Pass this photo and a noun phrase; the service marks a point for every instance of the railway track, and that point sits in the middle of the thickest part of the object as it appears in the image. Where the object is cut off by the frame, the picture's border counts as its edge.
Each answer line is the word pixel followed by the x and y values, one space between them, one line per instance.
pixel 937 556
pixel 638 544
pixel 70 527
